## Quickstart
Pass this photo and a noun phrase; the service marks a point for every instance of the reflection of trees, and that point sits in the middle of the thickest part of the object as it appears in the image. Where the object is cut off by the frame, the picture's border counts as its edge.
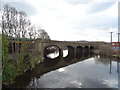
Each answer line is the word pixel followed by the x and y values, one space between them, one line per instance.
pixel 103 60
pixel 52 49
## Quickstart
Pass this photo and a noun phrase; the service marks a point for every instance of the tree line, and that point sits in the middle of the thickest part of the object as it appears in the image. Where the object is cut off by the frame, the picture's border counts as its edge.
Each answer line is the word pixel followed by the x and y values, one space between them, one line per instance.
pixel 16 24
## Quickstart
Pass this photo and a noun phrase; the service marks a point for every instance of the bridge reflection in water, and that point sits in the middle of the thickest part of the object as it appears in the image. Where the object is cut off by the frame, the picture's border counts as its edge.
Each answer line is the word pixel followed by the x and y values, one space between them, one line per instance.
pixel 53 54
pixel 30 78
pixel 48 65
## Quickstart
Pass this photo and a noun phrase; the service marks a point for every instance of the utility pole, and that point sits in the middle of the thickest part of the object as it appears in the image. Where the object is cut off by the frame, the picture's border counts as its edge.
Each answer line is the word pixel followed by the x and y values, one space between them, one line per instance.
pixel 111 45
pixel 118 52
pixel 110 55
pixel 118 43
pixel 118 39
pixel 111 38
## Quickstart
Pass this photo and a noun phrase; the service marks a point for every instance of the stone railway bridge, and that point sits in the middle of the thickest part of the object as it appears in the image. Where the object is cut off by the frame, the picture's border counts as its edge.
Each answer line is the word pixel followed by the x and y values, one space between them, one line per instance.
pixel 74 48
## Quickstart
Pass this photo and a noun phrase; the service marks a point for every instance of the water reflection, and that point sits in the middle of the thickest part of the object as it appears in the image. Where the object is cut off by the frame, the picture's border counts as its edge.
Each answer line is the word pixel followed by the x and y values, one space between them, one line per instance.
pixel 85 72
pixel 65 53
pixel 102 59
pixel 118 67
pixel 53 55
pixel 56 54
pixel 110 65
pixel 61 70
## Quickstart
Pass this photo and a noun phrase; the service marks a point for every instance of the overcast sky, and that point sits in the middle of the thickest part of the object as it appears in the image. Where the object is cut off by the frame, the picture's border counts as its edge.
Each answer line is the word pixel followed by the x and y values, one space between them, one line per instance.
pixel 73 20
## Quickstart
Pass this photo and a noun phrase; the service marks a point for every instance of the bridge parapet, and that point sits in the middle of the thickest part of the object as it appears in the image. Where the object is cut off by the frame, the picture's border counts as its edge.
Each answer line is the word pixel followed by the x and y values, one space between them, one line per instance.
pixel 63 44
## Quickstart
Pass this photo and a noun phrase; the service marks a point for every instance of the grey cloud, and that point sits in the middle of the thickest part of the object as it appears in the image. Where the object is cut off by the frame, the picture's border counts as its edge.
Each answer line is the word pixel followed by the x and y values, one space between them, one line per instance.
pixel 76 2
pixel 97 7
pixel 93 6
pixel 49 8
pixel 23 6
pixel 100 22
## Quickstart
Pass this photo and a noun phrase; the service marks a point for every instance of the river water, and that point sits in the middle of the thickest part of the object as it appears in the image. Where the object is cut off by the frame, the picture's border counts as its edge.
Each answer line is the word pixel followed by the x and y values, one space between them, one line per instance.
pixel 87 72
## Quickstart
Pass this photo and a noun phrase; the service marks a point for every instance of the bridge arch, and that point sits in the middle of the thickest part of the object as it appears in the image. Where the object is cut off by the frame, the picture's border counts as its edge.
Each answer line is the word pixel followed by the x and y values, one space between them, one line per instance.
pixel 92 47
pixel 86 48
pixel 79 51
pixel 51 49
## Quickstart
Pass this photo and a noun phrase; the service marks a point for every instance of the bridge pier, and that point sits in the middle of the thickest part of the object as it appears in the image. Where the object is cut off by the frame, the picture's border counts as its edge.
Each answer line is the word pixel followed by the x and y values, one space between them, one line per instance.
pixel 86 51
pixel 71 52
pixel 79 52
pixel 60 53
pixel 91 50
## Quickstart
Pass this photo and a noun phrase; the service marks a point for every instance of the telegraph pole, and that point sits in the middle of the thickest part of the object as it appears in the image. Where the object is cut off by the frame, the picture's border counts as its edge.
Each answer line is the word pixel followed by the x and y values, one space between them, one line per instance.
pixel 111 38
pixel 118 38
pixel 118 52
pixel 110 55
pixel 118 43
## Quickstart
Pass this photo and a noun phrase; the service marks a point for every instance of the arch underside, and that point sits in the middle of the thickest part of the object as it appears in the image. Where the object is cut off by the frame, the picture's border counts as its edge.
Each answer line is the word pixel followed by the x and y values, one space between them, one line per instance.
pixel 77 52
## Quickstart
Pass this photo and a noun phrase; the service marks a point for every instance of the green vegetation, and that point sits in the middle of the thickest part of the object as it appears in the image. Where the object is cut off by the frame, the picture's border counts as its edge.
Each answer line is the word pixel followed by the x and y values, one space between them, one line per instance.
pixel 7 73
pixel 15 65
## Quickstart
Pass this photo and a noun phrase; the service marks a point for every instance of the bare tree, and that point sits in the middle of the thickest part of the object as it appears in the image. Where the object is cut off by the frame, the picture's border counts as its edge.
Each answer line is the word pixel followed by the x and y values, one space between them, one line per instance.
pixel 31 29
pixel 105 50
pixel 6 20
pixel 43 34
pixel 34 32
pixel 14 23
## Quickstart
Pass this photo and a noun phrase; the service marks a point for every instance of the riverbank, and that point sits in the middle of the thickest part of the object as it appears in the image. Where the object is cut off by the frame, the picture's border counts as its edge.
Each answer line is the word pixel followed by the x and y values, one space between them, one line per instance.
pixel 17 62
pixel 15 72
pixel 115 55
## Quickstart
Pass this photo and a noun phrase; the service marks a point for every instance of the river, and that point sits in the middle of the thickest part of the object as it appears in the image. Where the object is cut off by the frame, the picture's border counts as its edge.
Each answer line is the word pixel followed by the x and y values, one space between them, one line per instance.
pixel 88 72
